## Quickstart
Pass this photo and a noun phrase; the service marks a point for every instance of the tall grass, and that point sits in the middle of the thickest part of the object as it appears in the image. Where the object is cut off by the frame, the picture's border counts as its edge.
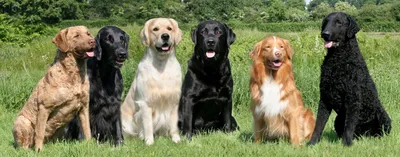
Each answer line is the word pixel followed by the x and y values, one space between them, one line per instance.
pixel 21 68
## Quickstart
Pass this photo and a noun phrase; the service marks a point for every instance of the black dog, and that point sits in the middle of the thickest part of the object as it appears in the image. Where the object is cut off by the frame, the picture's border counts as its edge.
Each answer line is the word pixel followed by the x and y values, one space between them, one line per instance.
pixel 346 86
pixel 106 86
pixel 206 100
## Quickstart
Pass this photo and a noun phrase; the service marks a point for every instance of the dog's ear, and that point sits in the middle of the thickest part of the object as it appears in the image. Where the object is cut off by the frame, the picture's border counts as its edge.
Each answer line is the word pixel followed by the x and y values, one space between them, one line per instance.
pixel 127 38
pixel 177 31
pixel 145 33
pixel 288 49
pixel 231 37
pixel 61 40
pixel 194 36
pixel 98 50
pixel 352 28
pixel 256 51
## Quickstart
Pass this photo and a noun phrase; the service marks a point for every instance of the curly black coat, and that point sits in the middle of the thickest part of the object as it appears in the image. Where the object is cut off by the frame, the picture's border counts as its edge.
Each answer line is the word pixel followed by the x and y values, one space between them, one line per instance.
pixel 106 86
pixel 346 85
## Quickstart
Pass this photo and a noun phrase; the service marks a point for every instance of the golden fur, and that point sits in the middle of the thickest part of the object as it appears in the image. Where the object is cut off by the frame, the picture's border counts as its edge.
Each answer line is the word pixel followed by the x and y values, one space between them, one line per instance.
pixel 292 120
pixel 60 94
pixel 151 105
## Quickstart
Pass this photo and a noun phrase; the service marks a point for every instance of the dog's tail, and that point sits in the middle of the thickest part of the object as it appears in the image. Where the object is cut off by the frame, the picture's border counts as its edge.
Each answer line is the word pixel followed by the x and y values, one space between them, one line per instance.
pixel 309 123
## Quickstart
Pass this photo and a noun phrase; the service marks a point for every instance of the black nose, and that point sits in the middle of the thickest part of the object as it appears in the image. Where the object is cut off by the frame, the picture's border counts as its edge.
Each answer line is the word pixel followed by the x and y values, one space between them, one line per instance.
pixel 164 36
pixel 211 42
pixel 326 35
pixel 122 55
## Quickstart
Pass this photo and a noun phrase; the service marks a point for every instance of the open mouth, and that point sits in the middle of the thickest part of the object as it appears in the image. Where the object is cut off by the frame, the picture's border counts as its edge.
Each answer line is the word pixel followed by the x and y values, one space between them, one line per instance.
pixel 164 48
pixel 276 63
pixel 89 53
pixel 120 62
pixel 330 44
pixel 210 53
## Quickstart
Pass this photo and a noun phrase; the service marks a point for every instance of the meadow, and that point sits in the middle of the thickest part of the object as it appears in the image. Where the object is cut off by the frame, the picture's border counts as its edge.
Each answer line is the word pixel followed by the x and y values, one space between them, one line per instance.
pixel 22 67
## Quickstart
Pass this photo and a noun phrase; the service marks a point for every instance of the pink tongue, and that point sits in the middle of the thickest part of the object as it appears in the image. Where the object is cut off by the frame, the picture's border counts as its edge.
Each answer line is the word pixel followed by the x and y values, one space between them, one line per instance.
pixel 277 64
pixel 165 48
pixel 328 44
pixel 210 54
pixel 90 54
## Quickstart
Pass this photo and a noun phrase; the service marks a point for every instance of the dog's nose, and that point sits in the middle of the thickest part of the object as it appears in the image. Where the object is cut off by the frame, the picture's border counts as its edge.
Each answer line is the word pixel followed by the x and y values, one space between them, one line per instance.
pixel 164 36
pixel 122 55
pixel 91 42
pixel 211 42
pixel 277 52
pixel 326 35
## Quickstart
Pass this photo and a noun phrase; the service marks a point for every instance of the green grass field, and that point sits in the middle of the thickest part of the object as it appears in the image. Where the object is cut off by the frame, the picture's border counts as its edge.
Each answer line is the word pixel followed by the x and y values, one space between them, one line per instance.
pixel 21 68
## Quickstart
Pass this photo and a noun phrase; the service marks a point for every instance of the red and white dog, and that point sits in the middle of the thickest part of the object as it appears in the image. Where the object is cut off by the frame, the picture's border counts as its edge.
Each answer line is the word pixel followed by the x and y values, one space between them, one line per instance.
pixel 277 106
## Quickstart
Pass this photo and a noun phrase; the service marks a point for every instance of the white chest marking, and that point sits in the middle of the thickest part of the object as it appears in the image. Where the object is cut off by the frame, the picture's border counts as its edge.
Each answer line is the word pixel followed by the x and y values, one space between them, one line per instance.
pixel 271 104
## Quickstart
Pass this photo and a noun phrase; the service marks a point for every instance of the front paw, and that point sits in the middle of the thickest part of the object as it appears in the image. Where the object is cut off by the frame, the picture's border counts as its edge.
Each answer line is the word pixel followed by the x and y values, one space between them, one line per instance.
pixel 176 139
pixel 149 141
pixel 188 136
pixel 312 142
pixel 347 141
pixel 118 142
pixel 38 148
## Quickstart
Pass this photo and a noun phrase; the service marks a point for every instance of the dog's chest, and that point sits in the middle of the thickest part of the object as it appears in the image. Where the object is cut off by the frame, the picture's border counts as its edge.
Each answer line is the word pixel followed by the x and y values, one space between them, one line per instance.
pixel 271 103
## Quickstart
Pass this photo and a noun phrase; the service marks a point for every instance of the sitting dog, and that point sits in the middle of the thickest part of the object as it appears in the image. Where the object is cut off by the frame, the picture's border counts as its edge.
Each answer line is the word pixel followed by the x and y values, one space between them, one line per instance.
pixel 60 94
pixel 106 86
pixel 206 100
pixel 151 105
pixel 277 106
pixel 346 86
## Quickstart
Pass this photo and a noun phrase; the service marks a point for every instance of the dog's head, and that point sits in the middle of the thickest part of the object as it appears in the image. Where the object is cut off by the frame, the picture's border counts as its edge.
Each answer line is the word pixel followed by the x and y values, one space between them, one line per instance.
pixel 338 27
pixel 212 40
pixel 112 46
pixel 161 35
pixel 273 52
pixel 75 39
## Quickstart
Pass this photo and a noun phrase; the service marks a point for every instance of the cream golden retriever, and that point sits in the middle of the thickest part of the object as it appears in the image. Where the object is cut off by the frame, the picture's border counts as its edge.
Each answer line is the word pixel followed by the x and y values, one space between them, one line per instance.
pixel 60 94
pixel 151 105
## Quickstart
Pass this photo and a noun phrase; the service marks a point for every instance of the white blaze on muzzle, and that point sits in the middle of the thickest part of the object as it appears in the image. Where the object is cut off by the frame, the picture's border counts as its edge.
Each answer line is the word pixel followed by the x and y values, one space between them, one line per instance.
pixel 275 50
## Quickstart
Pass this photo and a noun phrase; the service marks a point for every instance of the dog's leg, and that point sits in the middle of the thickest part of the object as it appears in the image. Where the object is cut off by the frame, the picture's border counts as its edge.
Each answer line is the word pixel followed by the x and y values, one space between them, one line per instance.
pixel 43 115
pixel 294 129
pixel 146 121
pixel 187 116
pixel 227 113
pixel 173 125
pixel 117 135
pixel 258 127
pixel 353 107
pixel 84 121
pixel 322 118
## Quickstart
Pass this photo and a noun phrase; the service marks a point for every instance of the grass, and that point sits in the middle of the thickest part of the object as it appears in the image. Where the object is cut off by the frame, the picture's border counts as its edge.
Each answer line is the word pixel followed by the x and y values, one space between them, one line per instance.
pixel 21 68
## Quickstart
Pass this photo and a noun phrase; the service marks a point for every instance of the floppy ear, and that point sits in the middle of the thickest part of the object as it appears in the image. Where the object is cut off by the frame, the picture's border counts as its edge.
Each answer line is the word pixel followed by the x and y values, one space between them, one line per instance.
pixel 145 33
pixel 256 51
pixel 288 48
pixel 352 28
pixel 98 51
pixel 61 40
pixel 194 36
pixel 127 38
pixel 177 31
pixel 231 37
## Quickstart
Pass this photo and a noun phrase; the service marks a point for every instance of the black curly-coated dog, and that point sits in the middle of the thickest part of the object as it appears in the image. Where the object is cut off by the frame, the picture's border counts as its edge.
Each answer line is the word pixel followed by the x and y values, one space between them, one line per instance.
pixel 206 100
pixel 106 86
pixel 346 86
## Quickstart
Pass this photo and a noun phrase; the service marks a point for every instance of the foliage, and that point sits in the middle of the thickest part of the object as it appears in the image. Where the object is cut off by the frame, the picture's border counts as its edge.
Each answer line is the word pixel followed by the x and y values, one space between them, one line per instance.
pixel 321 10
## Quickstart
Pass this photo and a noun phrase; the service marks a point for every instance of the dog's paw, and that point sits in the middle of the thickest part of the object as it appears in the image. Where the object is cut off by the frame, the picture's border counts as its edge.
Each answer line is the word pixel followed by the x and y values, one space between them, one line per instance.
pixel 149 142
pixel 176 139
pixel 38 148
pixel 312 142
pixel 347 141
pixel 188 136
pixel 119 142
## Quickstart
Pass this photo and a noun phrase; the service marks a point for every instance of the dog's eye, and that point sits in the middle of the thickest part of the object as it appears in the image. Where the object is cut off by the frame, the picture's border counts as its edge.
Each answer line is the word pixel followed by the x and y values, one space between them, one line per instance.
pixel 203 32
pixel 268 47
pixel 281 46
pixel 169 28
pixel 76 35
pixel 155 29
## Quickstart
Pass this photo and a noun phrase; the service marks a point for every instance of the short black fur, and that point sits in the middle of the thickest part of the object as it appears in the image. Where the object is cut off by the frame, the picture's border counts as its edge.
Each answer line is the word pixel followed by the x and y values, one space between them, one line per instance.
pixel 206 100
pixel 106 86
pixel 346 85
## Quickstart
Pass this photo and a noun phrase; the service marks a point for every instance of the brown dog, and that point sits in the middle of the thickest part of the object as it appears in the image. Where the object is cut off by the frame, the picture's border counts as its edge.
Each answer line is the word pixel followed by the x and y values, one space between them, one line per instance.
pixel 277 106
pixel 60 94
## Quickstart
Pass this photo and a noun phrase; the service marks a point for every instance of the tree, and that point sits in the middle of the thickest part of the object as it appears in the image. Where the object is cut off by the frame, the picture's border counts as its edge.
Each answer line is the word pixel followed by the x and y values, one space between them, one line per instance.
pixel 321 11
pixel 374 13
pixel 276 10
pixel 345 7
pixel 298 4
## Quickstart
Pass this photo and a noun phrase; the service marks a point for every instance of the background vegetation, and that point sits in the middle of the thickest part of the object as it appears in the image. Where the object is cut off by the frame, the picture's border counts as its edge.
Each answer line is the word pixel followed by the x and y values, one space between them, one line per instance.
pixel 22 67
pixel 24 20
